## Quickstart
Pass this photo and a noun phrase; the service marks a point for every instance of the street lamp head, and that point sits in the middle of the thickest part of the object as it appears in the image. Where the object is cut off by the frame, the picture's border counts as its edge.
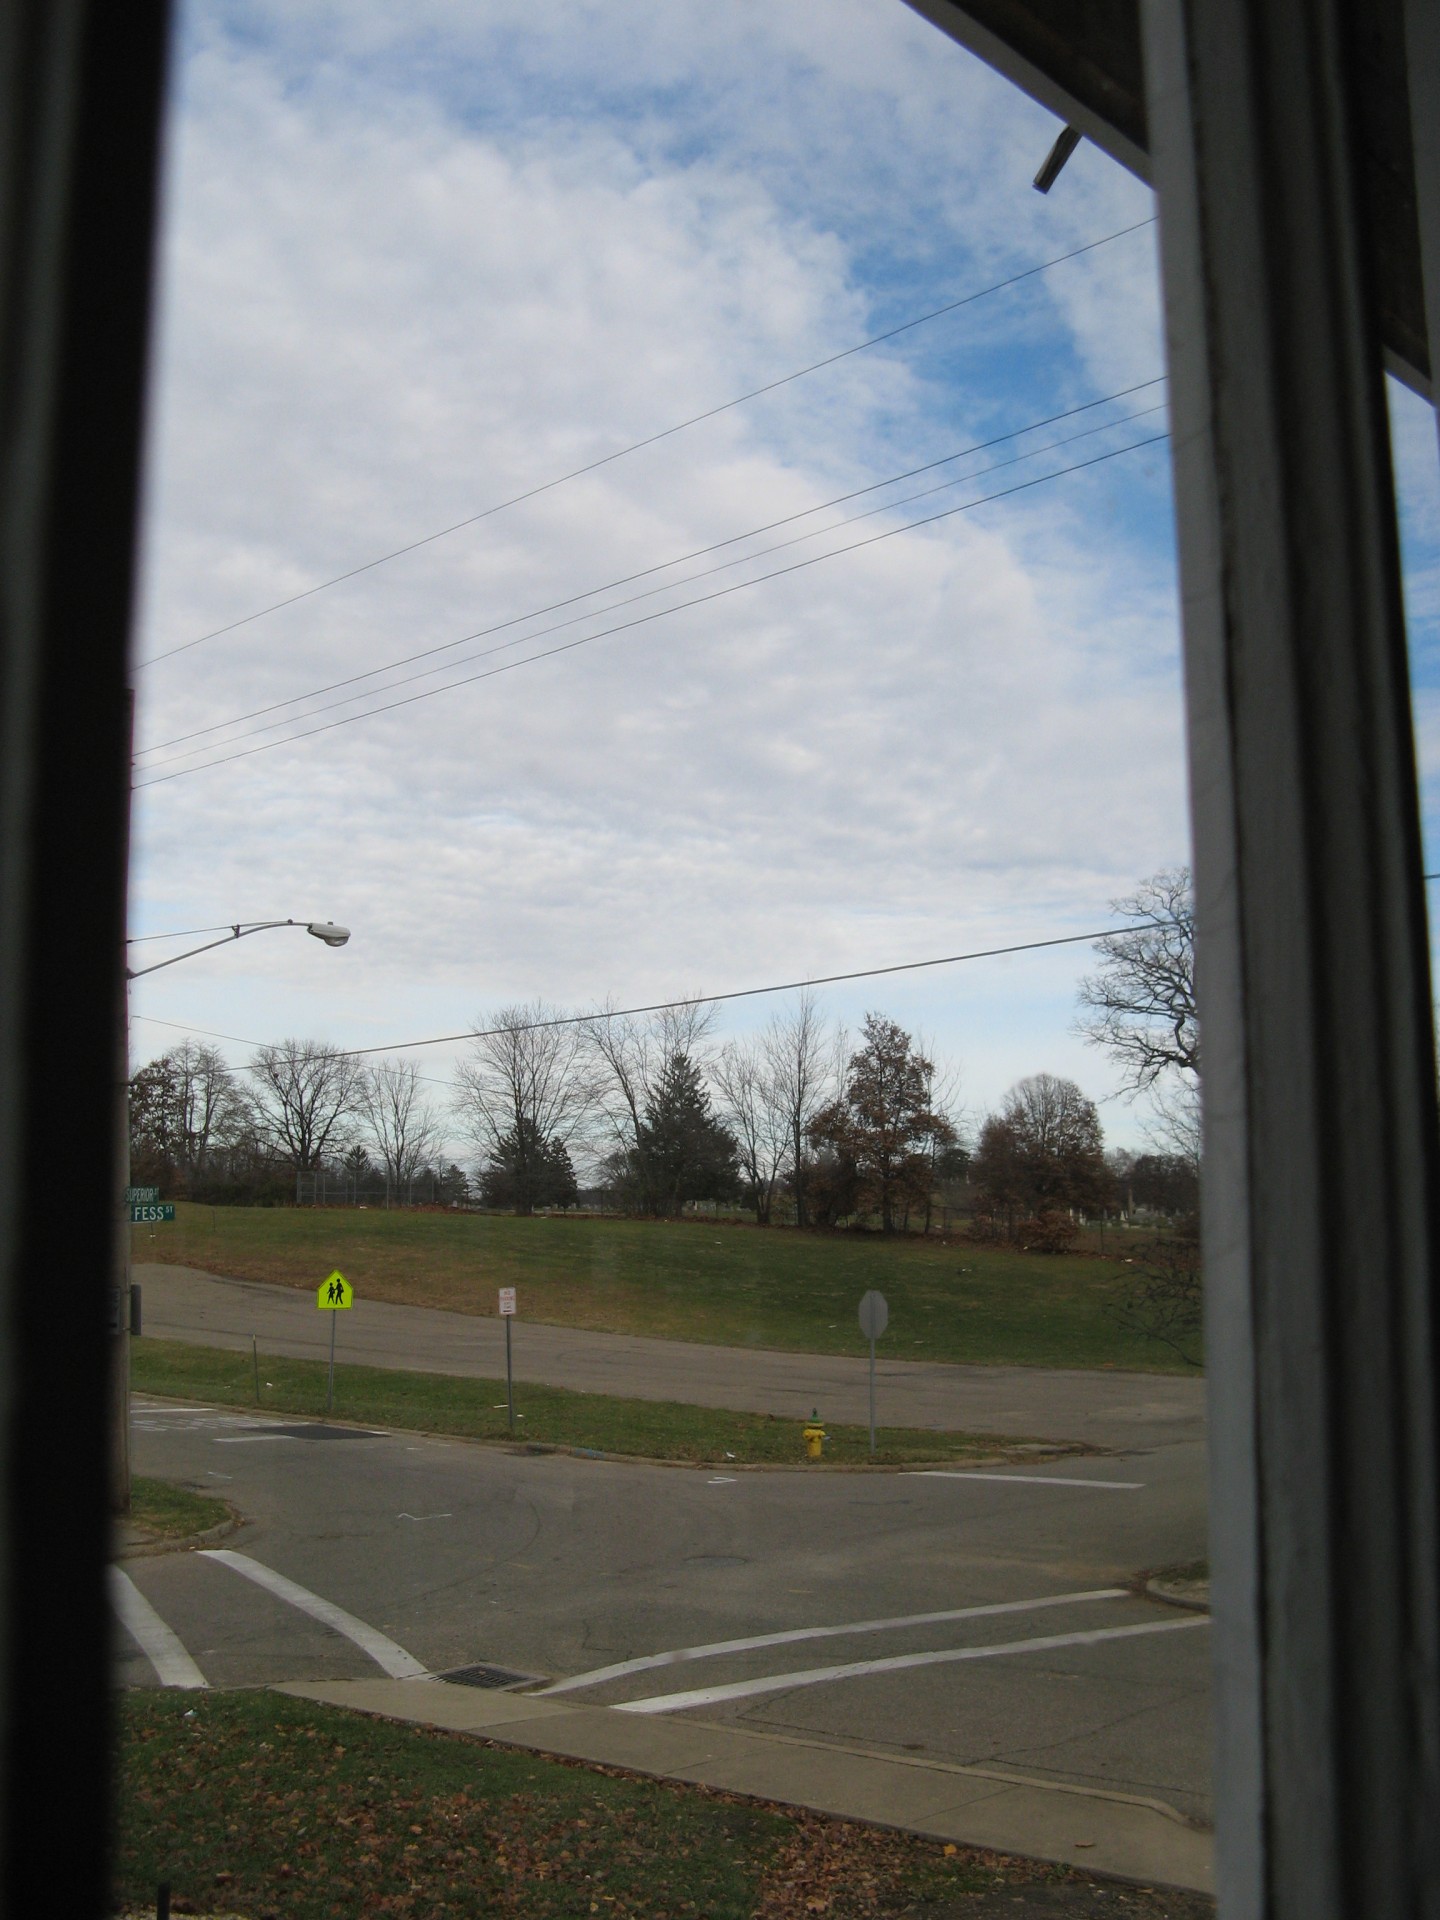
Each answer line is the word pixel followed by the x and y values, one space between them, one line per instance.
pixel 327 931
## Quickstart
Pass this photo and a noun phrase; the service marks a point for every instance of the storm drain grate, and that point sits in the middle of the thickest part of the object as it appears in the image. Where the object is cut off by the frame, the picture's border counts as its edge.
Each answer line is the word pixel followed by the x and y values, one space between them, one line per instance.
pixel 496 1677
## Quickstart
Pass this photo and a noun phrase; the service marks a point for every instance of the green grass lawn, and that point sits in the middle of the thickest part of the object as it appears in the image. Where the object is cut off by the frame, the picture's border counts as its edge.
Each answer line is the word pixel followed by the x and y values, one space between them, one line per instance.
pixel 550 1416
pixel 163 1511
pixel 258 1804
pixel 722 1282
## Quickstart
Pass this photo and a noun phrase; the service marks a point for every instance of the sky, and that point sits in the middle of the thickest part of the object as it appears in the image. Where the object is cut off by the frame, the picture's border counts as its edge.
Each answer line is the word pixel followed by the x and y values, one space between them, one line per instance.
pixel 417 263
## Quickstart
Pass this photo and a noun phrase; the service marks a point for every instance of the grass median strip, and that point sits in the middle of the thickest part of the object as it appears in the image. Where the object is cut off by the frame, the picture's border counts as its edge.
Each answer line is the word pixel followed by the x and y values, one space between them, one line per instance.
pixel 552 1416
pixel 261 1805
pixel 160 1510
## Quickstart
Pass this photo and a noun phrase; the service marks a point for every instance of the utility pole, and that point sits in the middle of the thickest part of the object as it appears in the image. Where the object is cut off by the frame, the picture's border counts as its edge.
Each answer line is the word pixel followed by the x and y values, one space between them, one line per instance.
pixel 322 930
pixel 120 1273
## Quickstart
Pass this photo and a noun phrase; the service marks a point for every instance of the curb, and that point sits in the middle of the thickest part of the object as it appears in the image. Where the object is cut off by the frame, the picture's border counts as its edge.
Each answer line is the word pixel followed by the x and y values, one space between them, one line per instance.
pixel 1121 1836
pixel 957 1462
pixel 1022 1452
pixel 146 1549
pixel 1193 1596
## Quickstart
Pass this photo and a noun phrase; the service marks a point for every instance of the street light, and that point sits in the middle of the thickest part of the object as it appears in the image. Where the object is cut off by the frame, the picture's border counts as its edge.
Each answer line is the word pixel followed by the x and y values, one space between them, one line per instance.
pixel 325 930
pixel 330 935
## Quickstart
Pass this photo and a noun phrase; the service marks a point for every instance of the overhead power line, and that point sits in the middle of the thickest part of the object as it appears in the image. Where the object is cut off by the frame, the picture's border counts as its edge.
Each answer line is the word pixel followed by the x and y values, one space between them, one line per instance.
pixel 698 553
pixel 650 440
pixel 644 619
pixel 694 1000
pixel 231 1073
pixel 750 993
pixel 698 999
pixel 180 933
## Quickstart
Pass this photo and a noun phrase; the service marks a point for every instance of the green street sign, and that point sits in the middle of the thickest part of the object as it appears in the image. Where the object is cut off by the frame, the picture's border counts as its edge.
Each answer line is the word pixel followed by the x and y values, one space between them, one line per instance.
pixel 150 1212
pixel 141 1196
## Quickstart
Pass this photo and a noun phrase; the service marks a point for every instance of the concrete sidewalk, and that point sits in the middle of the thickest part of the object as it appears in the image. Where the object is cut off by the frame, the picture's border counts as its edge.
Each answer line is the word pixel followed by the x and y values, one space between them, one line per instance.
pixel 1124 1411
pixel 1119 1834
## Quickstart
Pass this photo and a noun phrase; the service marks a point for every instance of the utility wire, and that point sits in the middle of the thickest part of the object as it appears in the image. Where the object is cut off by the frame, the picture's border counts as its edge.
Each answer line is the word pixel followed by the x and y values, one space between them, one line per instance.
pixel 750 993
pixel 180 933
pixel 232 1073
pixel 699 553
pixel 696 1000
pixel 699 999
pixel 644 619
pixel 650 440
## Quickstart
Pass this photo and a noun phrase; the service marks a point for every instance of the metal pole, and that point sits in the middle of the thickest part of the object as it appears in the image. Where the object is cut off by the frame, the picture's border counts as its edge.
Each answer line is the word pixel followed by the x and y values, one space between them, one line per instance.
pixel 120 1268
pixel 330 1385
pixel 872 1396
pixel 255 1356
pixel 509 1377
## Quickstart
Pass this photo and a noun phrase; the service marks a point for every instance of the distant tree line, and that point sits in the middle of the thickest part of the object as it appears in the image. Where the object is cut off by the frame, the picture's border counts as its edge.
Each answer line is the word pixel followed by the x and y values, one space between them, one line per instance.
pixel 301 1111
pixel 642 1114
pixel 647 1114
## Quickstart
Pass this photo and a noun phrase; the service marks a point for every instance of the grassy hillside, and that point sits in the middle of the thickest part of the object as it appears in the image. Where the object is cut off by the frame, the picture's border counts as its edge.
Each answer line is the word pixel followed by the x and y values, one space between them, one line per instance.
pixel 730 1284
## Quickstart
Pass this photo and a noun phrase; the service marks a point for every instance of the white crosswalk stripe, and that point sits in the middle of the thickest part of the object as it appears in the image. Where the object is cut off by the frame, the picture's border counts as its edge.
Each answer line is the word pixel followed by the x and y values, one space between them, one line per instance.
pixel 598 1675
pixel 820 1676
pixel 385 1652
pixel 160 1644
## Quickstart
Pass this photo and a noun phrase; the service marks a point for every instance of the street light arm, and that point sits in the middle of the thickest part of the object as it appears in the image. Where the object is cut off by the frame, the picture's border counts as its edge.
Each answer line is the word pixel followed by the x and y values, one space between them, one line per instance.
pixel 333 936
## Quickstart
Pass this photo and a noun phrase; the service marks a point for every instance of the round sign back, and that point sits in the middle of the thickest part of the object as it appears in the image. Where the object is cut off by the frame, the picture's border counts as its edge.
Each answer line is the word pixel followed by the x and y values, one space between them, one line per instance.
pixel 874 1315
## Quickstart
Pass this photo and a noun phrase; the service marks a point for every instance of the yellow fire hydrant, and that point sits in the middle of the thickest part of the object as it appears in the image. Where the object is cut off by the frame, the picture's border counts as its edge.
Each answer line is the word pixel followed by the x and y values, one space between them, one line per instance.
pixel 814 1437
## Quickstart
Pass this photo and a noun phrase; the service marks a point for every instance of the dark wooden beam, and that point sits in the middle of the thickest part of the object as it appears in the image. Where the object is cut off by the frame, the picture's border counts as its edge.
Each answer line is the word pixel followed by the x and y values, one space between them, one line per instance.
pixel 1083 60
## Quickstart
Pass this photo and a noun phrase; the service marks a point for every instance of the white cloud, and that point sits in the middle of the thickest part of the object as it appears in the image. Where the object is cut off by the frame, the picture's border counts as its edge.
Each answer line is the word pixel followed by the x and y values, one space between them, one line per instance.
pixel 407 280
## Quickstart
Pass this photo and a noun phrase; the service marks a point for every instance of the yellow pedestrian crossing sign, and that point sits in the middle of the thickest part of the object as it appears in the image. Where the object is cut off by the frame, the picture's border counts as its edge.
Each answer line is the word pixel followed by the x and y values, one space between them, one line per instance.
pixel 336 1292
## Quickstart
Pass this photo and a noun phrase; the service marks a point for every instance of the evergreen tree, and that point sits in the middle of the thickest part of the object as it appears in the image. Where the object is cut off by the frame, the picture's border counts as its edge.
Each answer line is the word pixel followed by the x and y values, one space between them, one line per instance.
pixel 682 1152
pixel 526 1171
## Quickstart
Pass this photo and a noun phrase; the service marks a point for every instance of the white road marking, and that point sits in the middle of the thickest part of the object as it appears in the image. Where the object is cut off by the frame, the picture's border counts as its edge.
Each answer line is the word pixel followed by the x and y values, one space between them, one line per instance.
pixel 386 1654
pixel 818 1676
pixel 1031 1479
pixel 721 1480
pixel 160 1644
pixel 426 1516
pixel 643 1665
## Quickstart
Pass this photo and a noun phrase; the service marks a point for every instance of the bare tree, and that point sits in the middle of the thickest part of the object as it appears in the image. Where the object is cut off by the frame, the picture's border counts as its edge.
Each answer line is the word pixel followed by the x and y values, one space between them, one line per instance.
pixel 400 1121
pixel 948 1148
pixel 1140 1005
pixel 526 1092
pixel 632 1054
pixel 304 1093
pixel 1161 1296
pixel 806 1063
pixel 753 1107
pixel 181 1106
pixel 207 1100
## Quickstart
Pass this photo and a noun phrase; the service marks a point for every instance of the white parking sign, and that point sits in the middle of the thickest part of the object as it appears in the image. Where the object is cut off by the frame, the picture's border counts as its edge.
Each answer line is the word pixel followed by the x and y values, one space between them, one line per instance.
pixel 507 1299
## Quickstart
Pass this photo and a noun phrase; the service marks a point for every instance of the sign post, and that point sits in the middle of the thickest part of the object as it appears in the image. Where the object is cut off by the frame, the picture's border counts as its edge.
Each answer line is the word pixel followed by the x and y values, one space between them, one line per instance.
pixel 874 1318
pixel 334 1293
pixel 507 1314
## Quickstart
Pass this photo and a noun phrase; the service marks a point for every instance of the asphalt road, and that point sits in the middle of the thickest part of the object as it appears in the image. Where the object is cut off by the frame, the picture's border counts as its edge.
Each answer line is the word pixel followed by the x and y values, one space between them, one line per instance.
pixel 1103 1409
pixel 445 1554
